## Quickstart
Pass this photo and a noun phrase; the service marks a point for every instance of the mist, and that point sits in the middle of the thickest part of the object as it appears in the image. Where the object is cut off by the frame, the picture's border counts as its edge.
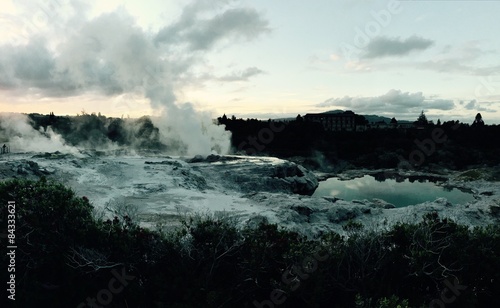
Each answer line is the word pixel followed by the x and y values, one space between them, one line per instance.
pixel 111 55
pixel 22 137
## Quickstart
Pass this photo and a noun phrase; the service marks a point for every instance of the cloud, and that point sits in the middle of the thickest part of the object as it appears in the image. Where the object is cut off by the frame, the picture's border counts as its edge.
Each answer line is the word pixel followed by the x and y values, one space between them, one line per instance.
pixel 474 105
pixel 456 65
pixel 108 54
pixel 267 115
pixel 28 65
pixel 199 34
pixel 394 102
pixel 112 55
pixel 244 75
pixel 384 46
pixel 471 105
pixel 461 59
pixel 440 104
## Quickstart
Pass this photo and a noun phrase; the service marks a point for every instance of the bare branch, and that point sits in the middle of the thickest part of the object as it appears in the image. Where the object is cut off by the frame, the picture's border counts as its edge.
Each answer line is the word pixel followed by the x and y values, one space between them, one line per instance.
pixel 89 259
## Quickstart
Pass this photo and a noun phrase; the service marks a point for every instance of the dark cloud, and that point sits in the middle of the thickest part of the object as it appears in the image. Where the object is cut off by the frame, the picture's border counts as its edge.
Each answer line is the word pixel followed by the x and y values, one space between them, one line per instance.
pixel 204 33
pixel 474 105
pixel 110 54
pixel 393 102
pixel 470 105
pixel 384 46
pixel 440 104
pixel 31 66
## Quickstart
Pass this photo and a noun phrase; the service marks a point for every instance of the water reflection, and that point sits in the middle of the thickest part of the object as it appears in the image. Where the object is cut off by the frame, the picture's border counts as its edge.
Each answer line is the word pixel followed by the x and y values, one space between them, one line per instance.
pixel 394 189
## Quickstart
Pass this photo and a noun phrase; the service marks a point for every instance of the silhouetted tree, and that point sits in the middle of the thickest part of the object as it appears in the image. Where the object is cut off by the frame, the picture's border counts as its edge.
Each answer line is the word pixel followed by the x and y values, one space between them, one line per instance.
pixel 478 121
pixel 223 119
pixel 360 120
pixel 52 118
pixel 299 119
pixel 422 119
pixel 438 122
pixel 117 132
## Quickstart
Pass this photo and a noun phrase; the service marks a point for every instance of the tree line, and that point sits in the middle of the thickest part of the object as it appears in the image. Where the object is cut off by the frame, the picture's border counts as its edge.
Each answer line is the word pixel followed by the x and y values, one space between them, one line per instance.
pixel 466 145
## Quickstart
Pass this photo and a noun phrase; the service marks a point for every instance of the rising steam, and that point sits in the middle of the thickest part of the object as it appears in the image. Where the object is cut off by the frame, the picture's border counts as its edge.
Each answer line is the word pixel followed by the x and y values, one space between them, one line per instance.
pixel 21 136
pixel 112 55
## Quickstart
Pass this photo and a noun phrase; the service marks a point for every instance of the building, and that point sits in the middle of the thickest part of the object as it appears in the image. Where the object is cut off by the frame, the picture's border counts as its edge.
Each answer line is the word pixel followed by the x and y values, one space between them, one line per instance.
pixel 406 125
pixel 344 121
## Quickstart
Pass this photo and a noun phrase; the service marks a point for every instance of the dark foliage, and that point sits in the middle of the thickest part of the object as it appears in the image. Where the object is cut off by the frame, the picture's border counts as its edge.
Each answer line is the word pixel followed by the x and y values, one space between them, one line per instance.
pixel 464 145
pixel 95 131
pixel 65 256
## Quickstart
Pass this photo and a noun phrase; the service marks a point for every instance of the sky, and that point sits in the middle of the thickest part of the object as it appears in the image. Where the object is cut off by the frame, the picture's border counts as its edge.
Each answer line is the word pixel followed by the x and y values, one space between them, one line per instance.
pixel 251 58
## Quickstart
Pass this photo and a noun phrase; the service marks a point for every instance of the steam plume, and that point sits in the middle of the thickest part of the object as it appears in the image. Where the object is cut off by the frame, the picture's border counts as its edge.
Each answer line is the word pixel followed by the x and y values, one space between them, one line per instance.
pixel 21 136
pixel 112 55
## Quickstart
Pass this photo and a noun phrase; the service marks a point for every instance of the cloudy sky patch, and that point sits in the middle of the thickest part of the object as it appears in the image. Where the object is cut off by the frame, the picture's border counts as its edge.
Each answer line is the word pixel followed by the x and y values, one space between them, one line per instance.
pixel 385 46
pixel 243 75
pixel 240 56
pixel 392 103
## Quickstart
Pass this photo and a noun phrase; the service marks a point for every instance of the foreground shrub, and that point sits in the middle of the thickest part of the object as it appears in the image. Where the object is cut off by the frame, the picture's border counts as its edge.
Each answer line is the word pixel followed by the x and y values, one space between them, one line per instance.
pixel 65 256
pixel 49 220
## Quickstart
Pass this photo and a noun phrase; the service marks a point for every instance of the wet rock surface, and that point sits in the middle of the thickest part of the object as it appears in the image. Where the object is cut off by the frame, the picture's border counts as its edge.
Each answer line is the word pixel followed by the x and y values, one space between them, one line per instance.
pixel 160 188
pixel 25 169
pixel 261 175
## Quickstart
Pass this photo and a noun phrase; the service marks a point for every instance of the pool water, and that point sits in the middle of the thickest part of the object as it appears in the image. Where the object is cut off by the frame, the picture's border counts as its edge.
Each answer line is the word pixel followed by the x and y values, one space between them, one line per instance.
pixel 400 194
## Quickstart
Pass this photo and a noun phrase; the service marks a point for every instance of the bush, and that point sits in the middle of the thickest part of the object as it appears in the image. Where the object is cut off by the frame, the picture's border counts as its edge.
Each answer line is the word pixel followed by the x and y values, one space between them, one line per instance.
pixel 49 220
pixel 64 255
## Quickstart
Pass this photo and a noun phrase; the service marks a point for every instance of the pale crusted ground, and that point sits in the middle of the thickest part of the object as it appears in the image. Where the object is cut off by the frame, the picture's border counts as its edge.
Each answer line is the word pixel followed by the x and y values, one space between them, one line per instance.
pixel 155 190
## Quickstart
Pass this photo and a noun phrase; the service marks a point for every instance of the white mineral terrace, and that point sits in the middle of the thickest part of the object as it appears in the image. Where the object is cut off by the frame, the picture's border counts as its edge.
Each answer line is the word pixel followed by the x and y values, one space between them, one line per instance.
pixel 155 190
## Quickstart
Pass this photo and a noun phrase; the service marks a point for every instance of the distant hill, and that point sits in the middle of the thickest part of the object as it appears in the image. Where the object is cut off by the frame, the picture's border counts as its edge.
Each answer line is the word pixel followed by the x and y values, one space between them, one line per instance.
pixel 372 118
